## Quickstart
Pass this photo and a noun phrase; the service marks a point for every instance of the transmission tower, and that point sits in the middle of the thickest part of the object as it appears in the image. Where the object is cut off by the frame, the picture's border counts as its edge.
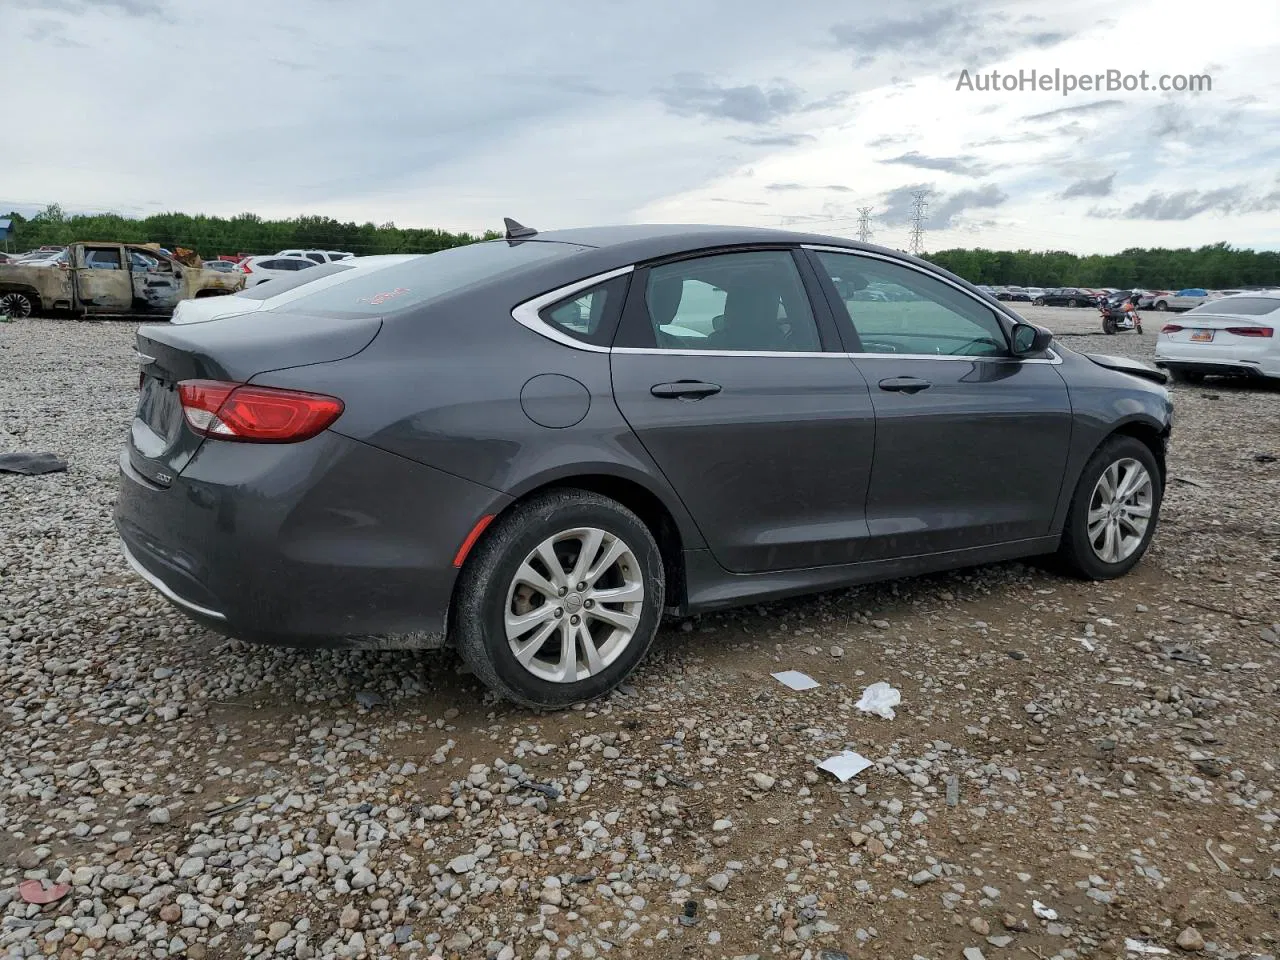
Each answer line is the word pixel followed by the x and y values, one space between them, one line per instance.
pixel 864 224
pixel 919 214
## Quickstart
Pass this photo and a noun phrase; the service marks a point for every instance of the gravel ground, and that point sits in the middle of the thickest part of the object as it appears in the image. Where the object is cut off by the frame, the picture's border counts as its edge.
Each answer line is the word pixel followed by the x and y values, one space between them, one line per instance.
pixel 1071 764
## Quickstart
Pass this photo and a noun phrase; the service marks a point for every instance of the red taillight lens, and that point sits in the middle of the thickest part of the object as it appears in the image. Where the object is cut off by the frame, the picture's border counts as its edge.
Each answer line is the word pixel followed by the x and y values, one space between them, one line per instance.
pixel 244 267
pixel 1171 328
pixel 231 411
pixel 1251 331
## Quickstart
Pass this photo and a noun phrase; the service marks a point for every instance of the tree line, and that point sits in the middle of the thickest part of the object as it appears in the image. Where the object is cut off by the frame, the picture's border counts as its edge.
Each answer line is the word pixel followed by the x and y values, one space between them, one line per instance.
pixel 1217 266
pixel 245 233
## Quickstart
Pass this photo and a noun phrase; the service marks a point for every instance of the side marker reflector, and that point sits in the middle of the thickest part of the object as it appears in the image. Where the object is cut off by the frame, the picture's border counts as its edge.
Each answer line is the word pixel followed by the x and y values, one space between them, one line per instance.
pixel 461 556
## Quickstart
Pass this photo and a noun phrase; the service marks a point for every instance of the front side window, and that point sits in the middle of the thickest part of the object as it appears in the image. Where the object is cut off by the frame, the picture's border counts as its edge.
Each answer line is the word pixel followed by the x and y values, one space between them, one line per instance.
pixel 102 258
pixel 752 301
pixel 317 257
pixel 895 309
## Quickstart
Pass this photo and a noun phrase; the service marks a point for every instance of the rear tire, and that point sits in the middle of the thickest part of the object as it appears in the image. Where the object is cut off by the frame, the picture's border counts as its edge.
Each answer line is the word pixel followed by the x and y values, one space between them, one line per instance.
pixel 1089 549
pixel 1071 303
pixel 1161 305
pixel 1039 301
pixel 514 616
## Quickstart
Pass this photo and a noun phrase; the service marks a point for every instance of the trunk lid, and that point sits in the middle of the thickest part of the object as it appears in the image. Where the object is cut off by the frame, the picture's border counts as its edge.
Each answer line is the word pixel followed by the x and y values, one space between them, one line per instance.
pixel 232 349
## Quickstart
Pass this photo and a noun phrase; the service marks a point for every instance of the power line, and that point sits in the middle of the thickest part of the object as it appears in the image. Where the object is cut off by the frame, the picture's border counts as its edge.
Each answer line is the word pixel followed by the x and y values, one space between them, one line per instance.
pixel 864 224
pixel 919 214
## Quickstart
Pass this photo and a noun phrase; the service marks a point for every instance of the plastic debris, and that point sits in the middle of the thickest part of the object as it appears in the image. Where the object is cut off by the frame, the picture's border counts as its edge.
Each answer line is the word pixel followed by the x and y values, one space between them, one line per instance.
pixel 1043 912
pixel 880 698
pixel 1138 946
pixel 34 891
pixel 368 699
pixel 796 680
pixel 845 765
pixel 31 463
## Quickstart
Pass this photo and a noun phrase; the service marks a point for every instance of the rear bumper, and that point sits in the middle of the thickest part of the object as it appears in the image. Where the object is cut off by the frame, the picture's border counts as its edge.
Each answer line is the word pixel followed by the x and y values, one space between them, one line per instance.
pixel 325 543
pixel 1218 368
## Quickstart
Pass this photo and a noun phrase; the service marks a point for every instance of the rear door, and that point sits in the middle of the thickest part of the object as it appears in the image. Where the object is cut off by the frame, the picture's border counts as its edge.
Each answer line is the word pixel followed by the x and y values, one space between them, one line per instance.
pixel 103 282
pixel 720 369
pixel 970 442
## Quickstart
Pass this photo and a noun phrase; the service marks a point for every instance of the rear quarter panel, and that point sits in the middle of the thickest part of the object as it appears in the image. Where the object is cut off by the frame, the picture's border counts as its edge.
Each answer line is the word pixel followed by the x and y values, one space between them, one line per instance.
pixel 442 387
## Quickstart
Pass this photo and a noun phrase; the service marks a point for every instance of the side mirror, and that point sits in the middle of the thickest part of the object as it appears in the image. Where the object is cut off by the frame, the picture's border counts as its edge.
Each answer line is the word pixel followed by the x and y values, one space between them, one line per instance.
pixel 1029 339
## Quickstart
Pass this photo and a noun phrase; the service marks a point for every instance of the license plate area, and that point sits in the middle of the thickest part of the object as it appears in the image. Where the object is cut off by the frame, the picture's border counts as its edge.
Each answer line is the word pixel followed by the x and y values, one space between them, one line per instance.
pixel 1201 336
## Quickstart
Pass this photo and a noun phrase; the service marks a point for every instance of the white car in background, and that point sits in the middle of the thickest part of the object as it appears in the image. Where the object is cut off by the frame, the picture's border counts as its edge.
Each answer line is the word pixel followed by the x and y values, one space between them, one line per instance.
pixel 279 292
pixel 1236 336
pixel 258 270
pixel 317 256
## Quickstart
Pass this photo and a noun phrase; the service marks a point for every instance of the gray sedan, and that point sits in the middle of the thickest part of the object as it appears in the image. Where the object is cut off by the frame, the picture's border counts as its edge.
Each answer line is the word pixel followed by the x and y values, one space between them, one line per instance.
pixel 532 448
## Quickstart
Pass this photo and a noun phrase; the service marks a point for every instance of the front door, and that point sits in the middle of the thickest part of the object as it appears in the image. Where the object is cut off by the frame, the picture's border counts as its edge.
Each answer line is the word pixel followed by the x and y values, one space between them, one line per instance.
pixel 157 281
pixel 720 371
pixel 971 443
pixel 102 279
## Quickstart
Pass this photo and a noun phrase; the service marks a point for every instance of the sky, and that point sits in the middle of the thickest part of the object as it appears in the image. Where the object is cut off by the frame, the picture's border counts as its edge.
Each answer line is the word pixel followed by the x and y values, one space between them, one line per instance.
pixel 569 113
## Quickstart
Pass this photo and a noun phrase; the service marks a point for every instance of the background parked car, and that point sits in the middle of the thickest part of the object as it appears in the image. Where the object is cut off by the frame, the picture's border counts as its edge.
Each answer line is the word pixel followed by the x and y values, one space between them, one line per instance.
pixel 1016 294
pixel 262 269
pixel 1066 297
pixel 221 266
pixel 1236 336
pixel 1184 299
pixel 284 290
pixel 317 256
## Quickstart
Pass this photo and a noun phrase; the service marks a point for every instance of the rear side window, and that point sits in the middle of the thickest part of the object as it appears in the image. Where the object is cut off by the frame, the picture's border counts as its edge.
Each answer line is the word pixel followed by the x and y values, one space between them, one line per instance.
pixel 429 277
pixel 1243 306
pixel 589 316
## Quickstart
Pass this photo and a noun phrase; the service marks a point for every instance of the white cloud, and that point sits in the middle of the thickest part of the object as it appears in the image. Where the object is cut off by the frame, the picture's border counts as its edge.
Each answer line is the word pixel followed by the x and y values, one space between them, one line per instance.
pixel 580 113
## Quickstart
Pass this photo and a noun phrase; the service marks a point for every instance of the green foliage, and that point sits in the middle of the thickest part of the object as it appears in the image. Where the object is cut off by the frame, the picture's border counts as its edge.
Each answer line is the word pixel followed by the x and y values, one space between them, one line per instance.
pixel 244 233
pixel 1216 267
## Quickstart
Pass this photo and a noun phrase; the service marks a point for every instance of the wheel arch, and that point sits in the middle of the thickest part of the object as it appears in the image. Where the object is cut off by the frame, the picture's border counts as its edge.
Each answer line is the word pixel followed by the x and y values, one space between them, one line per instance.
pixel 654 511
pixel 1154 436
pixel 26 290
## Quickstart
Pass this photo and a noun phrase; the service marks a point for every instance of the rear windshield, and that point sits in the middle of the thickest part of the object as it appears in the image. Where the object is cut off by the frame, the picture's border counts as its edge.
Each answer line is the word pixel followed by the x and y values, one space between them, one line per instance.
pixel 424 278
pixel 278 285
pixel 1244 306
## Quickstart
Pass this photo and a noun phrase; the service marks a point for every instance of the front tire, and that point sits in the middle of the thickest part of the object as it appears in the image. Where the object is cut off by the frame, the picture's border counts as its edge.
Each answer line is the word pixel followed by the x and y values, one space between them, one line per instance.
pixel 17 305
pixel 560 600
pixel 1039 301
pixel 1114 511
pixel 1108 325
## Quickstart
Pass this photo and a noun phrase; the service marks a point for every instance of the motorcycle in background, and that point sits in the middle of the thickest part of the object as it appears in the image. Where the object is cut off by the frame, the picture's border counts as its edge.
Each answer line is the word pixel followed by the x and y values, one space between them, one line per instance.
pixel 1119 313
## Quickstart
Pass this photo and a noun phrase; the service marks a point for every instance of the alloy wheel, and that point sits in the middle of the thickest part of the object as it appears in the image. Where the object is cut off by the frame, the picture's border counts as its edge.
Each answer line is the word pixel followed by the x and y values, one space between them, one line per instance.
pixel 17 305
pixel 1120 510
pixel 574 604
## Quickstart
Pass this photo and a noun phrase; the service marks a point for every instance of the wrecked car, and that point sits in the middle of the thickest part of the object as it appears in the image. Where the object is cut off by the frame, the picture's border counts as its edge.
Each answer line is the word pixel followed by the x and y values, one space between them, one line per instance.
pixel 96 279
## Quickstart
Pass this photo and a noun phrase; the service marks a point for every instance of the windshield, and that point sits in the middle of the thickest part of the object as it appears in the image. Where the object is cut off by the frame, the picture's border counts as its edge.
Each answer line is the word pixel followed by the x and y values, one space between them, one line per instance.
pixel 424 278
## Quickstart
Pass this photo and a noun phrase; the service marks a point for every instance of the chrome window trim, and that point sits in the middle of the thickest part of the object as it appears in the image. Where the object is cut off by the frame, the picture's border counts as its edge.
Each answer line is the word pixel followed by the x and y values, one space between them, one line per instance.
pixel 164 588
pixel 527 314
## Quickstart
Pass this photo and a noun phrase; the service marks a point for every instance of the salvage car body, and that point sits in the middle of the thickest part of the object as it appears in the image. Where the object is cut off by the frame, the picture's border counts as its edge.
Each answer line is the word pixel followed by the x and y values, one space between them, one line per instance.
pixel 114 278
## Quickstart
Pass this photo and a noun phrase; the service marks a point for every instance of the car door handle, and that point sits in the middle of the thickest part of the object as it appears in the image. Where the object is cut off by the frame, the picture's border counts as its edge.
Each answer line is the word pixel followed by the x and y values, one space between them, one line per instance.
pixel 684 390
pixel 905 384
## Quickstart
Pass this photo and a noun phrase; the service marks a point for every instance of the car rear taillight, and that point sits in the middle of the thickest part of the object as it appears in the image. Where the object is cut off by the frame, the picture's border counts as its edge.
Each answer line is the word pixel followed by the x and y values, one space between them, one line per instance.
pixel 244 267
pixel 1171 328
pixel 233 411
pixel 1251 331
